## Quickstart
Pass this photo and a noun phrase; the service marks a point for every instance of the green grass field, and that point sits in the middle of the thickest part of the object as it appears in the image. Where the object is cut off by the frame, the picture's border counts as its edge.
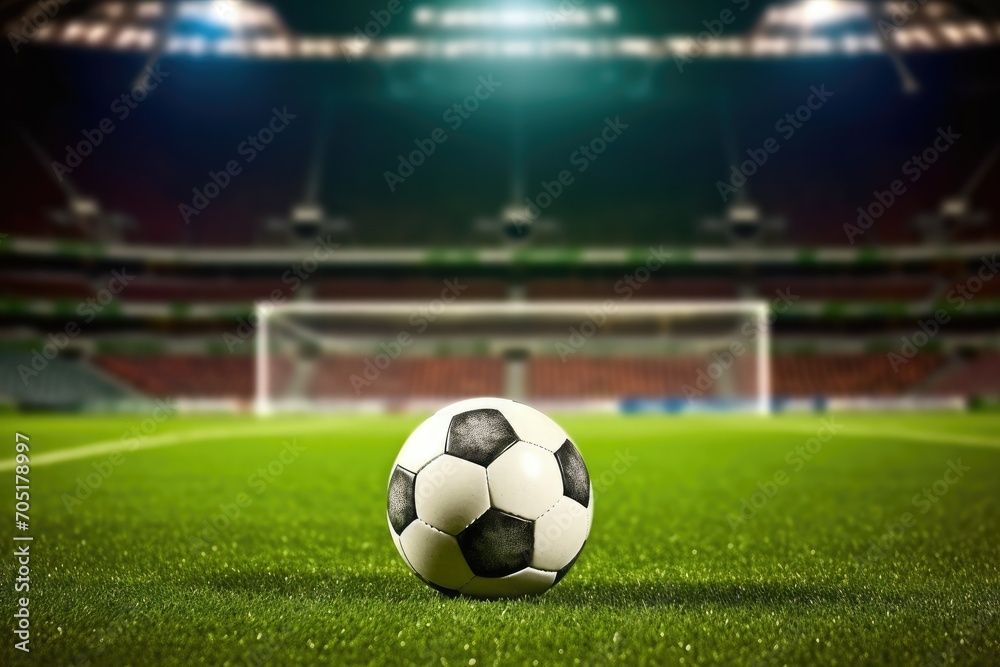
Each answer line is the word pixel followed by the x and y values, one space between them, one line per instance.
pixel 127 568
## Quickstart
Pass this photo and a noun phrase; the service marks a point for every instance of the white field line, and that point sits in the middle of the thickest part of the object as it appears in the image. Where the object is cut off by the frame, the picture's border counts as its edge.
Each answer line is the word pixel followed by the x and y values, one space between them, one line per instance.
pixel 890 434
pixel 94 449
pixel 183 437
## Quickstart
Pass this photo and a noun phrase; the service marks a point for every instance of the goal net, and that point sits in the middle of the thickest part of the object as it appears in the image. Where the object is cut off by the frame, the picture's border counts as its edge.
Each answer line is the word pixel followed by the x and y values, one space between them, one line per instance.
pixel 608 356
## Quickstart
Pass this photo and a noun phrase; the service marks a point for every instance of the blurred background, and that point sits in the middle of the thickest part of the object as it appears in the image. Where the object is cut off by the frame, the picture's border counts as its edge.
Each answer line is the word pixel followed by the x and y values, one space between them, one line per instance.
pixel 822 170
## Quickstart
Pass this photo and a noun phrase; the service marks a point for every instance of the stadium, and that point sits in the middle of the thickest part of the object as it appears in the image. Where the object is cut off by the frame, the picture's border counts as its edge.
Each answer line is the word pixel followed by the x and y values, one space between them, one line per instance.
pixel 743 252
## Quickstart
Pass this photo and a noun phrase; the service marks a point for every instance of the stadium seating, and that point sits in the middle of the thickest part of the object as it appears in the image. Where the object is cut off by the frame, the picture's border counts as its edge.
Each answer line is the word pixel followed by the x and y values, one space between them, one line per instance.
pixel 849 374
pixel 437 377
pixel 653 289
pixel 793 376
pixel 44 285
pixel 191 376
pixel 61 383
pixel 369 290
pixel 167 288
pixel 580 378
pixel 990 288
pixel 47 285
pixel 233 376
pixel 611 377
pixel 850 288
pixel 976 377
pixel 146 288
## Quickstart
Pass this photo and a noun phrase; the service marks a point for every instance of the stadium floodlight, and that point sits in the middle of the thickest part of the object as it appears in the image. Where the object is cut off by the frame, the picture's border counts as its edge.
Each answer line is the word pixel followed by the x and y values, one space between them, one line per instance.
pixel 957 211
pixel 81 213
pixel 814 24
pixel 517 222
pixel 655 355
pixel 308 220
pixel 233 15
pixel 146 9
pixel 248 29
pixel 84 207
pixel 811 14
pixel 518 17
pixel 824 12
pixel 743 224
pixel 520 220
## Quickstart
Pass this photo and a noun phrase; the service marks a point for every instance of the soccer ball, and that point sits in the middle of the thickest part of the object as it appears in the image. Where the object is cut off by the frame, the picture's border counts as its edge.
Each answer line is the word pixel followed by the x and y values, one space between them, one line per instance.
pixel 489 498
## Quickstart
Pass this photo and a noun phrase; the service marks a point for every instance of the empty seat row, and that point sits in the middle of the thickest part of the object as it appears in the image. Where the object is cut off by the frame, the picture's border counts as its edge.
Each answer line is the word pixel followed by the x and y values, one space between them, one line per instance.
pixel 351 377
pixel 228 290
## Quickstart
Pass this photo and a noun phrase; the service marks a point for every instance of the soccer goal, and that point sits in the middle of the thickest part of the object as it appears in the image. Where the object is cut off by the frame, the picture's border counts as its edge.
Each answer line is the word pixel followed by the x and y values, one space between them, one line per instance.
pixel 593 356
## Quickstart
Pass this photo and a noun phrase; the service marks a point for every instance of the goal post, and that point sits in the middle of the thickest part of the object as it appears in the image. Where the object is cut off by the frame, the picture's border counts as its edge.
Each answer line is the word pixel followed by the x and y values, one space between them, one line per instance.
pixel 675 356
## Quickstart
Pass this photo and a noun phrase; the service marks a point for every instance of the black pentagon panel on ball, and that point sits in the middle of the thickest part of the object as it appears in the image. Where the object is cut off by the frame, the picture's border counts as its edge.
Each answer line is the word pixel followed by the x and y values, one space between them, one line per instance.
pixel 479 436
pixel 576 479
pixel 402 501
pixel 497 544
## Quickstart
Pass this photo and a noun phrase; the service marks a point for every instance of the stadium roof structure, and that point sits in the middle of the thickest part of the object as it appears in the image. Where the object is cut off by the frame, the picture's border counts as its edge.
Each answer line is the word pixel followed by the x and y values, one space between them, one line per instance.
pixel 248 29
